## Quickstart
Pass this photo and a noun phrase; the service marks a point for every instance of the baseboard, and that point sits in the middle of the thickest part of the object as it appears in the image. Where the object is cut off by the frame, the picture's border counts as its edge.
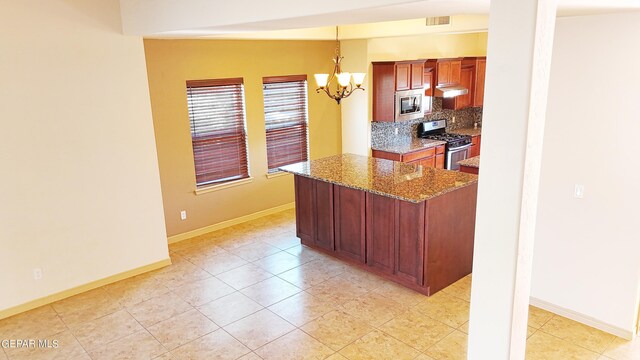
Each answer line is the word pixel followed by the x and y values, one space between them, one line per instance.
pixel 82 288
pixel 581 318
pixel 228 223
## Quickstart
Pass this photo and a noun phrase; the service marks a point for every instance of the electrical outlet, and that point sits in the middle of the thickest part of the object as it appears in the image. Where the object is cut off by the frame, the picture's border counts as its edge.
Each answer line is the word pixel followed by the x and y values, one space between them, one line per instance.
pixel 578 192
pixel 37 274
pixel 183 215
pixel 396 131
pixel 453 119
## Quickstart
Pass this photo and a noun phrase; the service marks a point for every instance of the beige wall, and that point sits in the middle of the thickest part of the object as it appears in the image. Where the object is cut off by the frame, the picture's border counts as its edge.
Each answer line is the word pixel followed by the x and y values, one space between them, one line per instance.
pixel 171 62
pixel 80 190
pixel 587 251
pixel 429 46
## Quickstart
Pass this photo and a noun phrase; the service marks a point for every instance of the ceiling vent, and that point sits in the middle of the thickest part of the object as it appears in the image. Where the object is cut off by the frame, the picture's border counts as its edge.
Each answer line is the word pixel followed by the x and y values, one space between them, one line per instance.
pixel 438 20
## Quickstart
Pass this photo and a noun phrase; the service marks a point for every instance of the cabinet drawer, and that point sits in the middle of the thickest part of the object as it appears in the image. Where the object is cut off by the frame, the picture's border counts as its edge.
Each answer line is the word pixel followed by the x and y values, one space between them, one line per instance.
pixel 418 154
pixel 386 155
pixel 440 149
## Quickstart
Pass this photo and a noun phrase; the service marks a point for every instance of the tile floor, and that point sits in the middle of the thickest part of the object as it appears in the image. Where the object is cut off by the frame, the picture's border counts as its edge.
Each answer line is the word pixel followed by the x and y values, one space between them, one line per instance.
pixel 253 292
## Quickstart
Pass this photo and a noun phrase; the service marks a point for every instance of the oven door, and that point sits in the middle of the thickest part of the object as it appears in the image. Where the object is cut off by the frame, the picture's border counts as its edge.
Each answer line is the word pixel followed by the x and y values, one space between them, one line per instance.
pixel 457 154
pixel 408 105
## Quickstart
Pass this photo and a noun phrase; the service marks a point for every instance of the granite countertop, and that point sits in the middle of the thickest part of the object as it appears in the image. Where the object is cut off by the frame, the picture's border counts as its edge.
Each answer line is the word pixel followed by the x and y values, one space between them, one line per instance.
pixel 467 131
pixel 404 146
pixel 397 180
pixel 471 162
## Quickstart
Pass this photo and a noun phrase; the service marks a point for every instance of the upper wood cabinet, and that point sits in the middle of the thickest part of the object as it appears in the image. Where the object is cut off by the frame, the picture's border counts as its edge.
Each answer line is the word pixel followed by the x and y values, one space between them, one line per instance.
pixel 403 76
pixel 389 77
pixel 409 75
pixel 417 73
pixel 448 71
pixel 461 101
pixel 478 89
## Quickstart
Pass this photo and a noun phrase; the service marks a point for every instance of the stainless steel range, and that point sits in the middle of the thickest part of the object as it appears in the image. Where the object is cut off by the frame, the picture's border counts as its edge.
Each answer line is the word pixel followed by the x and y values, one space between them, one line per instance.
pixel 457 145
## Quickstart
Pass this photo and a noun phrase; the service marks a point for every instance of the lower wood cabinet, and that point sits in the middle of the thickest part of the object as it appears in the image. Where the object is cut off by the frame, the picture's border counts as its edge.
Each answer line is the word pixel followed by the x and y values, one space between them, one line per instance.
pixel 474 150
pixel 395 237
pixel 425 246
pixel 349 212
pixel 314 212
pixel 381 232
pixel 409 241
pixel 431 157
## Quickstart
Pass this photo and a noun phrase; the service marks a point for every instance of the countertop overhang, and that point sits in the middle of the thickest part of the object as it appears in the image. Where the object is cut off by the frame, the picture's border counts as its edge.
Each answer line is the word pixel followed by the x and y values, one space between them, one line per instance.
pixel 407 182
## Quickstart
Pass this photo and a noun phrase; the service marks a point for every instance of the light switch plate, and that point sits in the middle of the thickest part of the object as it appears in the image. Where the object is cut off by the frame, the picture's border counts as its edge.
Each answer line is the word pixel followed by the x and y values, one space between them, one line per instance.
pixel 578 191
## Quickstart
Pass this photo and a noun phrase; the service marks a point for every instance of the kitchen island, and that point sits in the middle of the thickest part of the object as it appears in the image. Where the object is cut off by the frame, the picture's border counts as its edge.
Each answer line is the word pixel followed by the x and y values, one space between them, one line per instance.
pixel 408 223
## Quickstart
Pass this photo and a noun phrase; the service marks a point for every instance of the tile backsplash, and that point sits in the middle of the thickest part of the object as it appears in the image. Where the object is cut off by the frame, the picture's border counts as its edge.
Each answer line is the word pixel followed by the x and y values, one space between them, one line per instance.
pixel 384 132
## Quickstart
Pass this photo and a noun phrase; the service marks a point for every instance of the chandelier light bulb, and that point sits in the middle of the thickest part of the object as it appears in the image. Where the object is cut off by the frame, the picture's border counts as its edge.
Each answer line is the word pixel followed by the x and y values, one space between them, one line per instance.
pixel 321 80
pixel 358 78
pixel 344 79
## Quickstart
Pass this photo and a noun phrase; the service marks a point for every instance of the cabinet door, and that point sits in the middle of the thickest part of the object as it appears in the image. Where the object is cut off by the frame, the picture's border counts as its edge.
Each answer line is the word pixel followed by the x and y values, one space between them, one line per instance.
pixel 324 222
pixel 481 68
pixel 349 222
pixel 383 89
pixel 455 71
pixel 305 214
pixel 409 248
pixel 440 161
pixel 425 162
pixel 417 74
pixel 466 80
pixel 474 150
pixel 444 73
pixel 380 232
pixel 403 76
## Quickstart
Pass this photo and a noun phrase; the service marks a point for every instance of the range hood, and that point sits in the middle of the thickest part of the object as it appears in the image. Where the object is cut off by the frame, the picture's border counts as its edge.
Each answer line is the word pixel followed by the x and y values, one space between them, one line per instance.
pixel 450 91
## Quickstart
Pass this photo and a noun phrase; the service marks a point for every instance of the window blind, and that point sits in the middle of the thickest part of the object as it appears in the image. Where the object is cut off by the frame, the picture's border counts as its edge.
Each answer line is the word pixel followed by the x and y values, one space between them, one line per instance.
pixel 218 130
pixel 286 119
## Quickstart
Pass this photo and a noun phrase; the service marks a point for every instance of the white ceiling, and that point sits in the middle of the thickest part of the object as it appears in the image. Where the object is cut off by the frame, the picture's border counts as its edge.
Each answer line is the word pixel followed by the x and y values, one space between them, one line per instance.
pixel 206 18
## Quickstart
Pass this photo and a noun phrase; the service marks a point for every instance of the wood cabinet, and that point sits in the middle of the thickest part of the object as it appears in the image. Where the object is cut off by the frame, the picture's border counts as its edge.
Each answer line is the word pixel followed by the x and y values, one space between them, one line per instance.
pixel 475 146
pixel 417 73
pixel 440 157
pixel 403 76
pixel 314 213
pixel 448 71
pixel 409 75
pixel 478 67
pixel 349 224
pixel 389 77
pixel 381 232
pixel 425 246
pixel 461 101
pixel 409 242
pixel 431 157
pixel 478 88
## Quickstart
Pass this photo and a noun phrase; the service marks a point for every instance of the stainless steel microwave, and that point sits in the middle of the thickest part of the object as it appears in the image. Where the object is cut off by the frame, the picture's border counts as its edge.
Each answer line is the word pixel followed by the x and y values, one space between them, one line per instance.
pixel 408 105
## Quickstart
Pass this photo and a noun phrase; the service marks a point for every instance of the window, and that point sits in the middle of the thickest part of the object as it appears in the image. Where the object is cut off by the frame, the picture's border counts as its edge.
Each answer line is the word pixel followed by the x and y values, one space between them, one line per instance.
pixel 285 117
pixel 218 130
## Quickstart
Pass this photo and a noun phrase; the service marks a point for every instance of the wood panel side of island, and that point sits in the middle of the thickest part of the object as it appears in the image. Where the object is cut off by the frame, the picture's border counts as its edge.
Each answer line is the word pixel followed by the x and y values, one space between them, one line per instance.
pixel 449 232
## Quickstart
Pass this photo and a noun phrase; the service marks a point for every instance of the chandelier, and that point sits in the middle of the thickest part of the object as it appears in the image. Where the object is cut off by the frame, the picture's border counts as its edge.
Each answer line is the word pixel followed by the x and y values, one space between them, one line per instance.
pixel 343 88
